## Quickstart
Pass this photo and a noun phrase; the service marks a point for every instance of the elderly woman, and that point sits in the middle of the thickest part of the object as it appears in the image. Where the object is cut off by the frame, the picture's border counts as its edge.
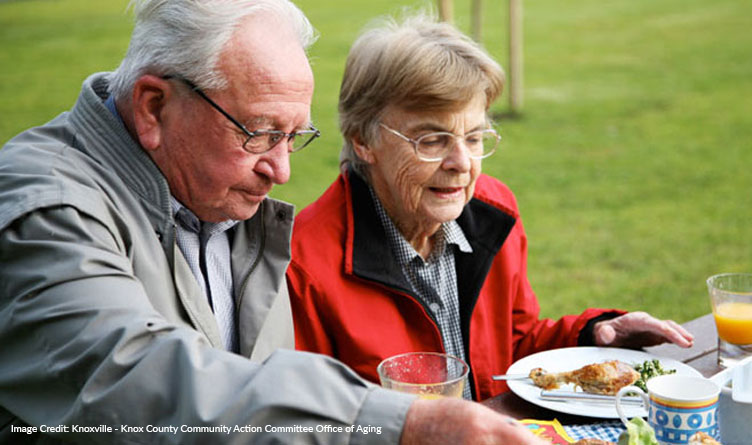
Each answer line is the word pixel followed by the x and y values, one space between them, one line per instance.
pixel 412 248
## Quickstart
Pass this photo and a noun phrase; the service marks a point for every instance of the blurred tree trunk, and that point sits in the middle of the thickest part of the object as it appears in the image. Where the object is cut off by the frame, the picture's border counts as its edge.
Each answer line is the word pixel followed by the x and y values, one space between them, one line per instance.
pixel 477 21
pixel 446 11
pixel 515 56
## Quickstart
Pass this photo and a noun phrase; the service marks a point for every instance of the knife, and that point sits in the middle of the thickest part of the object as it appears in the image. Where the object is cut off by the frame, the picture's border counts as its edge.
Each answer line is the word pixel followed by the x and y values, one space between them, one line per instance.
pixel 510 377
pixel 565 396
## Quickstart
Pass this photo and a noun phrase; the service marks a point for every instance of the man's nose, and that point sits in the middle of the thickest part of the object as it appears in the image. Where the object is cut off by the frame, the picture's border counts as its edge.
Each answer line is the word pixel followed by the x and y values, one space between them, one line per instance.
pixel 275 163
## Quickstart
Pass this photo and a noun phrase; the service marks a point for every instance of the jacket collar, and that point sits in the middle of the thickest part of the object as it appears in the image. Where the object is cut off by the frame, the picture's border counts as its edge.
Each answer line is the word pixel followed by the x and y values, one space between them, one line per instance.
pixel 372 257
pixel 485 226
pixel 105 138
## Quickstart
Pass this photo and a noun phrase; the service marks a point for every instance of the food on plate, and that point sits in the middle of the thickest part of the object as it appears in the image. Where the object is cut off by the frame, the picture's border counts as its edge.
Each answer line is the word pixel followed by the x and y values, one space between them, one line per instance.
pixel 638 432
pixel 598 378
pixel 700 438
pixel 592 442
pixel 649 369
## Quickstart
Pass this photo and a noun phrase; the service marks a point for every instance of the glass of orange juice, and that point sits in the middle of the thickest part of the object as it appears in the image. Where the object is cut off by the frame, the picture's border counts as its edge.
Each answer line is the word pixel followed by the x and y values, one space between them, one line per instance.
pixel 429 375
pixel 731 300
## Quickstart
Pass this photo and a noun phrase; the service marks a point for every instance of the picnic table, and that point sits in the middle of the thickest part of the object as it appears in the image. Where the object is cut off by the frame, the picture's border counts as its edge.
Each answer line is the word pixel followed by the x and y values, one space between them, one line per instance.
pixel 702 356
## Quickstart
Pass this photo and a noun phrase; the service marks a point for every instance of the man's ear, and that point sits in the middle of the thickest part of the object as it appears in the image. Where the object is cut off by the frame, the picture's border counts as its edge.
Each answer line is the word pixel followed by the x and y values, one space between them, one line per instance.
pixel 150 94
pixel 363 151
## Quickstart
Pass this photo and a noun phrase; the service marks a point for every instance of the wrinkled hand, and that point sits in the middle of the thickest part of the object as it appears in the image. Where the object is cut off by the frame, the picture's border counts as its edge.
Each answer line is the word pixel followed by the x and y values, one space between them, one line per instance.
pixel 638 329
pixel 459 422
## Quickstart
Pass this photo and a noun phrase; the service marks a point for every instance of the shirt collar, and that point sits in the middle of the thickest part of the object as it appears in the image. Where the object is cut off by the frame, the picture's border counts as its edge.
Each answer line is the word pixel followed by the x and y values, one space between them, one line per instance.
pixel 189 221
pixel 110 104
pixel 450 233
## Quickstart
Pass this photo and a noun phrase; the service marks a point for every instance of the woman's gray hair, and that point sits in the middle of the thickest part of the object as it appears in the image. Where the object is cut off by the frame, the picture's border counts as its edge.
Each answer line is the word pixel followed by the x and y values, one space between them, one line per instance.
pixel 186 37
pixel 417 64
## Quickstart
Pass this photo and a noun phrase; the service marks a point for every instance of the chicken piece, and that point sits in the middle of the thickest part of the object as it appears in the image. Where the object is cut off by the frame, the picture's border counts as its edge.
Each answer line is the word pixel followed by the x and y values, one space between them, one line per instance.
pixel 598 378
pixel 700 438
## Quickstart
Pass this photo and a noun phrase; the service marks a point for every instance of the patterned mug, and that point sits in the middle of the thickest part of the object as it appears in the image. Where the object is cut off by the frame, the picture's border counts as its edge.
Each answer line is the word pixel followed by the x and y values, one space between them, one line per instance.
pixel 678 406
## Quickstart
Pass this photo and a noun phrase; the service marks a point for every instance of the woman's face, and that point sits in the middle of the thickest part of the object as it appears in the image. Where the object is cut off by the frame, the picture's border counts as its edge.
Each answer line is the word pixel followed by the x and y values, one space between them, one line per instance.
pixel 420 195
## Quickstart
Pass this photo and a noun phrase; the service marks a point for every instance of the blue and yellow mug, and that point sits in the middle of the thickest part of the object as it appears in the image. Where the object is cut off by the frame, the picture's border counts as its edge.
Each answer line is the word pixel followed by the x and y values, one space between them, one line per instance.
pixel 678 406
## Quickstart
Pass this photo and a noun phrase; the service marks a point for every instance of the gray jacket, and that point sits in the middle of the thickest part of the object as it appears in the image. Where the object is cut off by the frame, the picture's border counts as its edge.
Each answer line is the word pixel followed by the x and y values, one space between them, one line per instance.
pixel 103 325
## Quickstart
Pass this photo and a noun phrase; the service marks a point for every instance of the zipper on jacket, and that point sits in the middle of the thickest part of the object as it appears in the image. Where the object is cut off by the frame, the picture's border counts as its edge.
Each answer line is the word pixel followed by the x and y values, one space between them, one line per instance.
pixel 247 277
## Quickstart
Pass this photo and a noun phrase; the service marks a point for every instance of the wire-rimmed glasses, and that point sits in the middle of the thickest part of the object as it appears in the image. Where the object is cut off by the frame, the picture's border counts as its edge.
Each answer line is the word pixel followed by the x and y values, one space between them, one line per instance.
pixel 258 141
pixel 434 147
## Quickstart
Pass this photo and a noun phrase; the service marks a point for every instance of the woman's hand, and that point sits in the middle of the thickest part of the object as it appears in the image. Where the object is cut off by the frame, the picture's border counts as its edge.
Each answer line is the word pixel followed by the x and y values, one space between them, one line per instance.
pixel 639 329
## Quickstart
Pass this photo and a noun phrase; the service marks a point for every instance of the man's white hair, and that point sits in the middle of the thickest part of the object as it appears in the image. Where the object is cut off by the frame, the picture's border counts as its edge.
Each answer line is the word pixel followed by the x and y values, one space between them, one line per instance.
pixel 186 37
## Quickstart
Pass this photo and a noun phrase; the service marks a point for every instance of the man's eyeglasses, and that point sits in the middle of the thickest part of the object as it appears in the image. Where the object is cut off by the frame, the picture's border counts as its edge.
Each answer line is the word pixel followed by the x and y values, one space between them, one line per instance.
pixel 258 141
pixel 433 147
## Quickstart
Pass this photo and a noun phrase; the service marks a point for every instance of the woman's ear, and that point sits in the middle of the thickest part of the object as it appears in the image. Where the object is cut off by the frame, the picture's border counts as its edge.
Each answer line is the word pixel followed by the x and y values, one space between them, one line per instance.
pixel 363 151
pixel 150 94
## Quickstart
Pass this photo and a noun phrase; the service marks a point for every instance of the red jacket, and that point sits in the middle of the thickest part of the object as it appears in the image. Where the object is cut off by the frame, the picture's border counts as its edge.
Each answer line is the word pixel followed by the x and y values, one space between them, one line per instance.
pixel 350 299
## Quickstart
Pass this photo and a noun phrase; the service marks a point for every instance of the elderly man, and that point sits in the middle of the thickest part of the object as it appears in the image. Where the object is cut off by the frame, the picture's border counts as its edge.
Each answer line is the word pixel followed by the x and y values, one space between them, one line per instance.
pixel 142 264
pixel 412 248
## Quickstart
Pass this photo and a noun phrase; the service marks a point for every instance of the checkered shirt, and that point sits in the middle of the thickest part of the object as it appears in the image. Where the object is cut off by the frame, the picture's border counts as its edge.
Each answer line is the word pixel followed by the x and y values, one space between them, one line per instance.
pixel 195 238
pixel 434 281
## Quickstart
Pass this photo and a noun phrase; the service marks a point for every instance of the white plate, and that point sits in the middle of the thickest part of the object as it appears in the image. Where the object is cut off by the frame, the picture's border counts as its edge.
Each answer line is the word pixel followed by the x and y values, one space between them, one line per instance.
pixel 569 359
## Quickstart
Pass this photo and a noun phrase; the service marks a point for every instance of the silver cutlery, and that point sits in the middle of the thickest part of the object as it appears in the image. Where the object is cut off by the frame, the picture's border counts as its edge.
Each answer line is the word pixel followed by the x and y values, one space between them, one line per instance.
pixel 510 377
pixel 565 396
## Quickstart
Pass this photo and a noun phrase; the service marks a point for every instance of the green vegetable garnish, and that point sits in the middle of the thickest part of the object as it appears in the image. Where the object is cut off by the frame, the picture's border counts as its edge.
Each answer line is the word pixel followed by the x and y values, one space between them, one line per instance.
pixel 648 370
pixel 638 433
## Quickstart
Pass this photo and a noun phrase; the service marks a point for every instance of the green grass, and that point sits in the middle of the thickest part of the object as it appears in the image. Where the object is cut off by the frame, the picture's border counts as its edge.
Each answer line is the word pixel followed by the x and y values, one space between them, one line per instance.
pixel 631 160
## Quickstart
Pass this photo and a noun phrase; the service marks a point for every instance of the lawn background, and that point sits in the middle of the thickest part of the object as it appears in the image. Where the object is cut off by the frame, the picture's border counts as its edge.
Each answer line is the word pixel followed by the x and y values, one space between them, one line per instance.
pixel 631 160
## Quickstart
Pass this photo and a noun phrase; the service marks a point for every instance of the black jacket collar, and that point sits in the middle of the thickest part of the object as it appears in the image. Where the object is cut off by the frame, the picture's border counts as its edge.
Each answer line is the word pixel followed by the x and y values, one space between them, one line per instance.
pixel 485 227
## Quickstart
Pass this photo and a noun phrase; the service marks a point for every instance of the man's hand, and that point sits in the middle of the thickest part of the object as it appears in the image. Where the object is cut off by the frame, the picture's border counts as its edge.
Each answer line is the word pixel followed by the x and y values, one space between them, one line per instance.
pixel 458 422
pixel 638 329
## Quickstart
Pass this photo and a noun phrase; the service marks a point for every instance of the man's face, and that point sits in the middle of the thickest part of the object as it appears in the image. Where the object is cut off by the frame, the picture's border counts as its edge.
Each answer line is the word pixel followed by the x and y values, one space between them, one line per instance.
pixel 202 154
pixel 420 195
